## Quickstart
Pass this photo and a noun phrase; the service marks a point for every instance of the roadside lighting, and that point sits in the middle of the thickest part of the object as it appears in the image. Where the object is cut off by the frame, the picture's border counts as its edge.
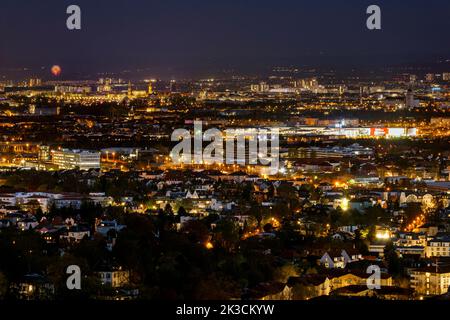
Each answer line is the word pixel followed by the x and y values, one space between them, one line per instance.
pixel 344 204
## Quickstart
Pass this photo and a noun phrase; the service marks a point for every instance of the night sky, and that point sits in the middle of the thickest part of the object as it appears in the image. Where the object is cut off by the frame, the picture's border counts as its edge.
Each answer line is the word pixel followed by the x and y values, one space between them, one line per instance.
pixel 168 37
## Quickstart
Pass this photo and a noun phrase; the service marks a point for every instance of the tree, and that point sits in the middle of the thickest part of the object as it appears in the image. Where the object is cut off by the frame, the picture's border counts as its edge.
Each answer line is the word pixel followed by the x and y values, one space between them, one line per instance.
pixel 430 209
pixel 217 287
pixel 290 198
pixel 374 214
pixel 227 234
pixel 168 209
pixel 304 292
pixel 197 232
pixel 3 286
pixel 182 212
pixel 135 246
pixel 392 259
pixel 411 212
pixel 283 273
pixel 268 227
pixel 258 212
pixel 90 284
pixel 39 214
pixel 247 192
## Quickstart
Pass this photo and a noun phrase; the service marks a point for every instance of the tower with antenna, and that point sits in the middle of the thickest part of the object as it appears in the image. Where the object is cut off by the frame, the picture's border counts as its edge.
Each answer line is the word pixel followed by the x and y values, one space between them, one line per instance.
pixel 150 88
pixel 130 89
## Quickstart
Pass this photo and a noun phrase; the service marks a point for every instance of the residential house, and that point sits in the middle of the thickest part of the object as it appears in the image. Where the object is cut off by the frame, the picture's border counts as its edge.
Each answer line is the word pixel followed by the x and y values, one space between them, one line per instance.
pixel 269 291
pixel 27 223
pixel 438 247
pixel 103 227
pixel 77 233
pixel 344 278
pixel 309 286
pixel 430 281
pixel 339 258
pixel 33 287
pixel 114 277
pixel 384 293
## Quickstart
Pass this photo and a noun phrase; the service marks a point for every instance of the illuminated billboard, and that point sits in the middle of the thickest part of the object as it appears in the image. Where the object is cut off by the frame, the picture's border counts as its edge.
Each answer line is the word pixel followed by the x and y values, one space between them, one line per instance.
pixel 396 132
pixel 379 132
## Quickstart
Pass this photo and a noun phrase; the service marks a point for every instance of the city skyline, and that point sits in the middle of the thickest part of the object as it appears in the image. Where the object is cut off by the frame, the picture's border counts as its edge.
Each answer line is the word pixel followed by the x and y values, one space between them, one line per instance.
pixel 177 39
pixel 183 154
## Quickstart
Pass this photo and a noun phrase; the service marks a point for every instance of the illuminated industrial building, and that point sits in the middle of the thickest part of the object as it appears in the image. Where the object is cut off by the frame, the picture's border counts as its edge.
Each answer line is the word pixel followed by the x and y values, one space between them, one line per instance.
pixel 76 159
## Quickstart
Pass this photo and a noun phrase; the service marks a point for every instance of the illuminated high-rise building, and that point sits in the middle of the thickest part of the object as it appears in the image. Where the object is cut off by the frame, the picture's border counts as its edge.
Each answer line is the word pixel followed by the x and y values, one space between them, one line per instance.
pixel 429 77
pixel 150 88
pixel 410 102
pixel 172 86
pixel 34 82
pixel 44 153
pixel 261 87
pixel 130 89
pixel 309 83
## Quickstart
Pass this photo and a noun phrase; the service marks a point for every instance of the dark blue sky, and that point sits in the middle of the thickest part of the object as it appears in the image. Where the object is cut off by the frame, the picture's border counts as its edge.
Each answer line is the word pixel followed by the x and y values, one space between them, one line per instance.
pixel 168 36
